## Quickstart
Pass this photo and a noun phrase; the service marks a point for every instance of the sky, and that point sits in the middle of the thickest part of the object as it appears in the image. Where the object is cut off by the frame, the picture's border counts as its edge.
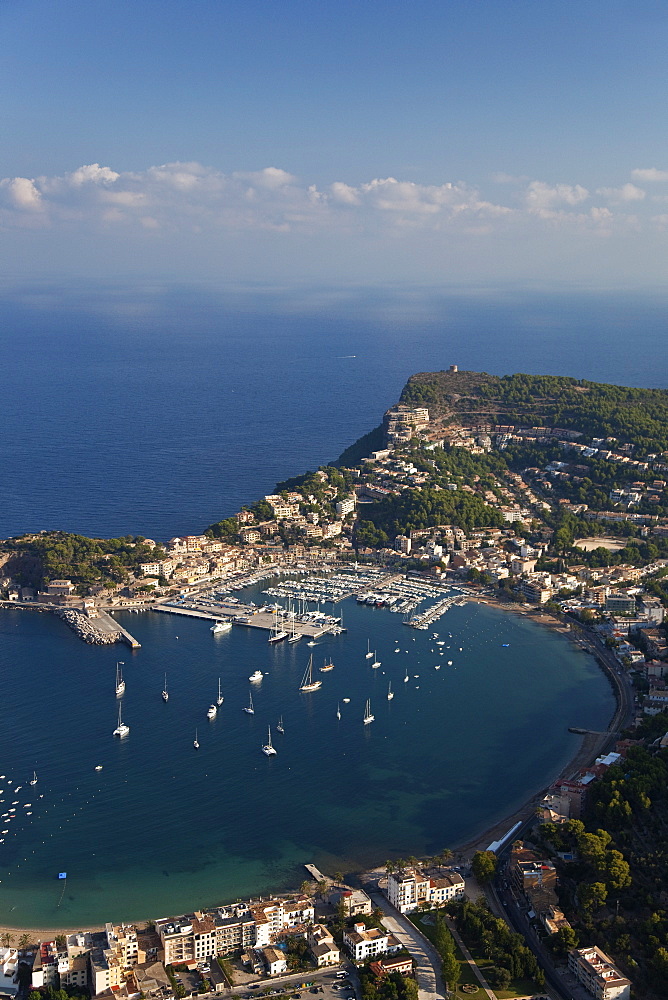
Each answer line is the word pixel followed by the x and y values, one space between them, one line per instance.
pixel 444 143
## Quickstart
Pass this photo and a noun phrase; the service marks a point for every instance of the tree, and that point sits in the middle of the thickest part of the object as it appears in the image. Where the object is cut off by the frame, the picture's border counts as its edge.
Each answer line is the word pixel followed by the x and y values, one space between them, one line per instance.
pixel 564 940
pixel 484 865
pixel 24 941
pixel 592 896
pixel 499 977
pixel 451 970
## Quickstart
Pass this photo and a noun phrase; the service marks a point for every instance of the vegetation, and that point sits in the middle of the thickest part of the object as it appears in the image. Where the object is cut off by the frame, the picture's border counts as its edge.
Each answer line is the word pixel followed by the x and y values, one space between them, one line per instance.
pixel 57 555
pixel 483 865
pixel 422 508
pixel 614 893
pixel 501 953
pixel 598 410
pixel 392 987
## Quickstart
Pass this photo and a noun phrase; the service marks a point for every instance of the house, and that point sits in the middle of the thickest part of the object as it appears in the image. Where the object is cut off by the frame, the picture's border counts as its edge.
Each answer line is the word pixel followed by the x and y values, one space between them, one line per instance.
pixel 322 945
pixel 275 961
pixel 598 975
pixel 354 901
pixel 363 943
pixel 387 964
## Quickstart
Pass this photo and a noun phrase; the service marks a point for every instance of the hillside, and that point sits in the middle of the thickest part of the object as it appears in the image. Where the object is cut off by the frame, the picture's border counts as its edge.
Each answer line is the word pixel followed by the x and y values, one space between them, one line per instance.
pixel 638 416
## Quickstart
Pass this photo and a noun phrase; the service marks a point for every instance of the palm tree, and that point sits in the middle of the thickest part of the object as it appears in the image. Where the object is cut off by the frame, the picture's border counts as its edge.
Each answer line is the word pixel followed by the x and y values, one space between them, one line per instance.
pixel 322 887
pixel 306 887
pixel 8 938
pixel 24 941
pixel 339 876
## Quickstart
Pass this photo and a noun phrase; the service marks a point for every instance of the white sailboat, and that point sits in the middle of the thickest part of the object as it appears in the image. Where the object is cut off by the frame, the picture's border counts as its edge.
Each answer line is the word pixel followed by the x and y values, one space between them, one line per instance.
pixel 390 692
pixel 165 692
pixel 196 741
pixel 368 717
pixel 278 633
pixel 406 678
pixel 120 683
pixel 338 711
pixel 327 666
pixel 279 727
pixel 34 778
pixel 121 729
pixel 268 748
pixel 249 707
pixel 220 699
pixel 376 663
pixel 308 684
pixel 368 653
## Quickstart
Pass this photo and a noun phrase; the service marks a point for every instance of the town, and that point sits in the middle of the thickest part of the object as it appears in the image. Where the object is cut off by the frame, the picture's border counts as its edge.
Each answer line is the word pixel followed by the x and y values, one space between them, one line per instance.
pixel 454 500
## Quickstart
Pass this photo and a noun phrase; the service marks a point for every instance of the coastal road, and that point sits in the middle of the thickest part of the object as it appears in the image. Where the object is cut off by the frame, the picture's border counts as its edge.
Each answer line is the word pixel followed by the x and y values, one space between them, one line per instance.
pixel 427 960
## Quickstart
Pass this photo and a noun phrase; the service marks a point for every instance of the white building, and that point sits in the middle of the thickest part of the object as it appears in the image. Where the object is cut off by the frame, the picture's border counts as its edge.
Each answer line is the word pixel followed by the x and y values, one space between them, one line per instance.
pixel 598 975
pixel 362 943
pixel 409 887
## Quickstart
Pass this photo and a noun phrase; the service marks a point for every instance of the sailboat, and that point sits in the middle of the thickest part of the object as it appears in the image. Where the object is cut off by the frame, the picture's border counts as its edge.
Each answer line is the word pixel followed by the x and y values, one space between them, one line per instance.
pixel 390 692
pixel 196 741
pixel 338 711
pixel 121 729
pixel 294 635
pixel 308 684
pixel 406 678
pixel 268 748
pixel 165 692
pixel 376 663
pixel 120 683
pixel 34 778
pixel 279 727
pixel 368 653
pixel 249 707
pixel 327 665
pixel 368 717
pixel 220 699
pixel 277 633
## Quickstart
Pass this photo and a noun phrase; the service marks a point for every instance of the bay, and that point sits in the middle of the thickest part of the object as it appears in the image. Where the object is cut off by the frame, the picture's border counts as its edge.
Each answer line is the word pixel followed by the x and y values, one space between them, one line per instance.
pixel 165 828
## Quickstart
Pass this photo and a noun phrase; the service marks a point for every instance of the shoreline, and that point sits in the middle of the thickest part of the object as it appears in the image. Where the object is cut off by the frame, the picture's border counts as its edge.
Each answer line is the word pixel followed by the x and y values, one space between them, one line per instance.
pixel 591 746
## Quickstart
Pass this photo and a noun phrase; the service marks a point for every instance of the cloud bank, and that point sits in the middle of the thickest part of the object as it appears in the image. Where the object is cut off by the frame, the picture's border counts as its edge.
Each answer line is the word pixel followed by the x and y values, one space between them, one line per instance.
pixel 196 211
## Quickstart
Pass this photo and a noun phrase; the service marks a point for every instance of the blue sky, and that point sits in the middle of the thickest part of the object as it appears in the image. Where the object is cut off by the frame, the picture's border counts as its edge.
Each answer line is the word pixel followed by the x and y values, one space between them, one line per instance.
pixel 463 142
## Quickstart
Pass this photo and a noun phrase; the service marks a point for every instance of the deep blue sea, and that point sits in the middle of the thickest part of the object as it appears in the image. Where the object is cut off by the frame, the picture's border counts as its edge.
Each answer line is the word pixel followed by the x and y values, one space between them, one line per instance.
pixel 157 411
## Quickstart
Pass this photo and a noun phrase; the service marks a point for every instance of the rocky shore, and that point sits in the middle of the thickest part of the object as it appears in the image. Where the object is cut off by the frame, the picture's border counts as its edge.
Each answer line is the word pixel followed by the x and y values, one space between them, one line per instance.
pixel 85 629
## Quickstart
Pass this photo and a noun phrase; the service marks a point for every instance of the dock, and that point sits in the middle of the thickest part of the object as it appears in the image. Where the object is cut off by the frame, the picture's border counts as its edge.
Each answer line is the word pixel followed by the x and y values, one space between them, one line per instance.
pixel 105 623
pixel 317 874
pixel 252 618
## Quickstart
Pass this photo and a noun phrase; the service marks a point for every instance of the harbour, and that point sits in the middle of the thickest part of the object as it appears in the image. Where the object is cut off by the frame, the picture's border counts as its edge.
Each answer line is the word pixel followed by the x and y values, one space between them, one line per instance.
pixel 250 819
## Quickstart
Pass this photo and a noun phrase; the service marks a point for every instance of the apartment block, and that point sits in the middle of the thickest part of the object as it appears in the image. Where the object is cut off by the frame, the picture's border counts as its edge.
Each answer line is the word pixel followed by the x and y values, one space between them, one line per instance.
pixel 598 975
pixel 409 887
pixel 362 943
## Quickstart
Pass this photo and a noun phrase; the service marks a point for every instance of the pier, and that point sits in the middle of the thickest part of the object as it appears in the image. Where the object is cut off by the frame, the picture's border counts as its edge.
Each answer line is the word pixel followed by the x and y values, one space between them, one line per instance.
pixel 248 617
pixel 107 624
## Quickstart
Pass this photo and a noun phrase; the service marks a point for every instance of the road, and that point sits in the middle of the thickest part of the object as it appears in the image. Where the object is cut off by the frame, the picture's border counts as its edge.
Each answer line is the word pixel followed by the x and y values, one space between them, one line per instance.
pixel 427 960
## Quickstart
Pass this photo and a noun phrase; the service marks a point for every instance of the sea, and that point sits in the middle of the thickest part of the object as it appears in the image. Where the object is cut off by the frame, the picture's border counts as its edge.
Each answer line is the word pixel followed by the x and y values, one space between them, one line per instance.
pixel 157 411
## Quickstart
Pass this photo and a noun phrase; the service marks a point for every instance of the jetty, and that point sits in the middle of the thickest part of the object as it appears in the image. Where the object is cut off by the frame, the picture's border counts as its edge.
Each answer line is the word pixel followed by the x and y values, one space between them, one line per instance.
pixel 249 617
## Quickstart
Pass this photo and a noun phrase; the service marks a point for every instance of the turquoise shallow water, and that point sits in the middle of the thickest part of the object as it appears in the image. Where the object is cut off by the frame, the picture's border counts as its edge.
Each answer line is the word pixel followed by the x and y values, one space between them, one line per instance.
pixel 164 828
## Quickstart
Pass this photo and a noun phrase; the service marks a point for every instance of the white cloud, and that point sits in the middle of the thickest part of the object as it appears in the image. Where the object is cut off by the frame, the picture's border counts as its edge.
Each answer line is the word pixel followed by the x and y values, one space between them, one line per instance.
pixel 22 193
pixel 542 199
pixel 649 174
pixel 93 174
pixel 627 192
